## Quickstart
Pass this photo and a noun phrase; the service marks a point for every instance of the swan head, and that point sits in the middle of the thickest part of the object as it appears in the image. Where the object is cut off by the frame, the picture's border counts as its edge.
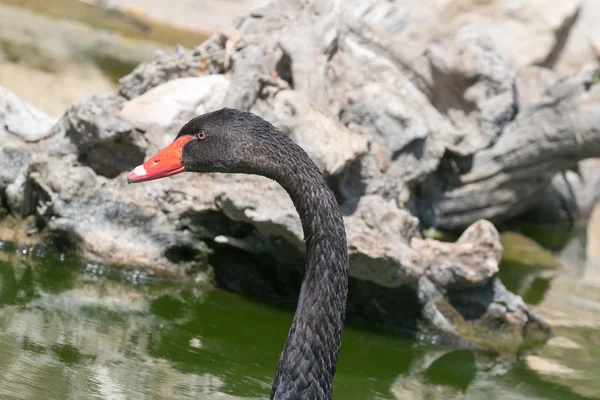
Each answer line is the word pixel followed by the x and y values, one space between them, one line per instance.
pixel 226 140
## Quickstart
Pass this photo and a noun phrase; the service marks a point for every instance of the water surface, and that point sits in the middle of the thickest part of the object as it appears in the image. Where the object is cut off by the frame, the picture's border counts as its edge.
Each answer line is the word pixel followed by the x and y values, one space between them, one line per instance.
pixel 69 331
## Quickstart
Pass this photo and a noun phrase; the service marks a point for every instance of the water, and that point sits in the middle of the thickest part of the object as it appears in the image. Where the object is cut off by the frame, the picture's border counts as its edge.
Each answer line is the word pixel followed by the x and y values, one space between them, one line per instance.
pixel 73 332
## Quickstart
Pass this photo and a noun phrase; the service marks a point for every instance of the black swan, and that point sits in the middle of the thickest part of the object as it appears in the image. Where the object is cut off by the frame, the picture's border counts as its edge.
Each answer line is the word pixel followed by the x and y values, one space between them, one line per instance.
pixel 234 141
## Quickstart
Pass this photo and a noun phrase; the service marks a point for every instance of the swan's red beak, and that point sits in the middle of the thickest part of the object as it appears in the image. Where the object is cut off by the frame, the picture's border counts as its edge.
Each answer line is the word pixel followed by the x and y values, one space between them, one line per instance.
pixel 165 163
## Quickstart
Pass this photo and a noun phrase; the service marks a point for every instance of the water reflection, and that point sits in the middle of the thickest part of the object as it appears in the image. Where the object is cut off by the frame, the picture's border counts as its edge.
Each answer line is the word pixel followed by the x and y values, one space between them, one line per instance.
pixel 529 282
pixel 70 332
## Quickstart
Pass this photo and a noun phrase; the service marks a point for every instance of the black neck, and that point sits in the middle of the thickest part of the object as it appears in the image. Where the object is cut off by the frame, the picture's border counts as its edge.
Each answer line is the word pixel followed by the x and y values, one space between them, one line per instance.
pixel 308 361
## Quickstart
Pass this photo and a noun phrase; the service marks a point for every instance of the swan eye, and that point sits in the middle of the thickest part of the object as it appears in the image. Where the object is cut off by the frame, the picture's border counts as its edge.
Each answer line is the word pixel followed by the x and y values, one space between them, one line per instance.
pixel 201 135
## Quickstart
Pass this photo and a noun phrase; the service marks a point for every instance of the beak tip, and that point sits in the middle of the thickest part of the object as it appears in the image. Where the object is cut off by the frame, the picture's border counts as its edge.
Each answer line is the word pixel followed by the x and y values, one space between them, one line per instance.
pixel 135 175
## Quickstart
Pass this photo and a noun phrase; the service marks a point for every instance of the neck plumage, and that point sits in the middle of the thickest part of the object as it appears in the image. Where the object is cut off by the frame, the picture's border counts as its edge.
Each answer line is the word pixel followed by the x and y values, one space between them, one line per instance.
pixel 308 361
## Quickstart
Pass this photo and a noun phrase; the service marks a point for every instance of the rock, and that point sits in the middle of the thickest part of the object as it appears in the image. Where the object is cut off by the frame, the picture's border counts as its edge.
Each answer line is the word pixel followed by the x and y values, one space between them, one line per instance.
pixel 179 97
pixel 580 44
pixel 108 224
pixel 378 235
pixel 249 72
pixel 472 261
pixel 460 285
pixel 12 161
pixel 205 59
pixel 103 140
pixel 532 83
pixel 337 146
pixel 520 182
pixel 524 32
pixel 243 200
pixel 468 74
pixel 472 56
pixel 21 119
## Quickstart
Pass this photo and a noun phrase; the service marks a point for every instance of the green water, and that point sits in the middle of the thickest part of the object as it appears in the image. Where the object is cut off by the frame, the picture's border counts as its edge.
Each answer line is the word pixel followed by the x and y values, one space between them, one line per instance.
pixel 69 331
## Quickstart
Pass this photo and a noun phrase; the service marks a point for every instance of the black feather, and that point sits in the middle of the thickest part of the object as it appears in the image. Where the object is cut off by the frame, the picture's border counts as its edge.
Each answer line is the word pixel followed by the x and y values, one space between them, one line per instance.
pixel 240 142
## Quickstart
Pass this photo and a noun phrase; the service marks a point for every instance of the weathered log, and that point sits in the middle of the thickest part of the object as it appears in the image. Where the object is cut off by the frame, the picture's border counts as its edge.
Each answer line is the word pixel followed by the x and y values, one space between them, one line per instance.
pixel 512 175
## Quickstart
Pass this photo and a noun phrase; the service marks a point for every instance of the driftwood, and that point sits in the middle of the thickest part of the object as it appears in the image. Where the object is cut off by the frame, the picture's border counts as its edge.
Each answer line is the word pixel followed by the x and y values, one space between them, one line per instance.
pixel 512 175
pixel 410 135
pixel 479 139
